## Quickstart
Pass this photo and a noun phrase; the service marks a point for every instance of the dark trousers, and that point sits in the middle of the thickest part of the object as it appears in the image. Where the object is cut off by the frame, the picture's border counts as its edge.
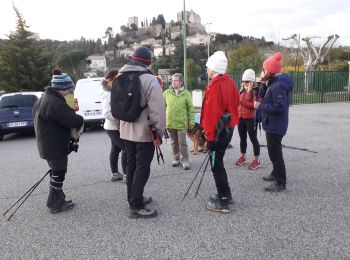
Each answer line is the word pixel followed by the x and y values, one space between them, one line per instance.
pixel 247 126
pixel 57 175
pixel 274 148
pixel 117 146
pixel 217 164
pixel 139 158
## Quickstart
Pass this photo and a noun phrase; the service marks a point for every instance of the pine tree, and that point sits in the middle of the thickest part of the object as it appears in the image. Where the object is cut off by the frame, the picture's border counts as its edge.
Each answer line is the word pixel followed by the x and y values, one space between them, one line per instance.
pixel 23 65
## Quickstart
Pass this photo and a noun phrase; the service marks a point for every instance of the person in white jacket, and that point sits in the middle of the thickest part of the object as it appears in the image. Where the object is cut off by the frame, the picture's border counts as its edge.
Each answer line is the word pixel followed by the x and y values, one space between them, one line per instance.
pixel 111 125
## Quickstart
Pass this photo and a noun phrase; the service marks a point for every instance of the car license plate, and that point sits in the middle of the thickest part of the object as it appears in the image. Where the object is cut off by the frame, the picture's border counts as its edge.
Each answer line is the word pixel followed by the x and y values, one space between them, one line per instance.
pixel 16 124
pixel 93 113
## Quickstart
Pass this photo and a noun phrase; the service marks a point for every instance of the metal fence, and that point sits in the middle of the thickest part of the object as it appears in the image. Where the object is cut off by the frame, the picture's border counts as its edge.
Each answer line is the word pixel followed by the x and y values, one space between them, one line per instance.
pixel 313 87
pixel 320 87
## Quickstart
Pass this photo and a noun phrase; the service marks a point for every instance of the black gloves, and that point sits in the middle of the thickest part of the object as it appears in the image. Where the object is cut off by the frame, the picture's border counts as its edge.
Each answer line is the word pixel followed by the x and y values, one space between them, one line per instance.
pixel 73 146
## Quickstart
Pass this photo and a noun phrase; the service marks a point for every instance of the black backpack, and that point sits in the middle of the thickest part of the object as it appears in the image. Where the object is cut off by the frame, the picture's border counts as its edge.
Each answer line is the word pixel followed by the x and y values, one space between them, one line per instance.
pixel 126 95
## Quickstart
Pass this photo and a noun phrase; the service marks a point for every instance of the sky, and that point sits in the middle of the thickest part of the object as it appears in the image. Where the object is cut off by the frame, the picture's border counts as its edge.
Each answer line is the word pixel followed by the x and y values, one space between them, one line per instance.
pixel 275 20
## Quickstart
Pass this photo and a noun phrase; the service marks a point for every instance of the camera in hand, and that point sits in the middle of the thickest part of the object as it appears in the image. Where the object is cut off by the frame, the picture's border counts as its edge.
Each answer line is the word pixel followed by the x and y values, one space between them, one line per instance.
pixel 73 145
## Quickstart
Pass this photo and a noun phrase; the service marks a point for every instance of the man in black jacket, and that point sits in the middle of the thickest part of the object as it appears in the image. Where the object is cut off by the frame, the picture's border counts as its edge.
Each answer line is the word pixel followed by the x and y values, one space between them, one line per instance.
pixel 53 121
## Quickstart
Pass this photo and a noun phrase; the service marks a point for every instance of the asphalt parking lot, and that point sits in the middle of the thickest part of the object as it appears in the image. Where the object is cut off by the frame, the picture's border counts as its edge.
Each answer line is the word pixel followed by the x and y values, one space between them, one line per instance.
pixel 310 220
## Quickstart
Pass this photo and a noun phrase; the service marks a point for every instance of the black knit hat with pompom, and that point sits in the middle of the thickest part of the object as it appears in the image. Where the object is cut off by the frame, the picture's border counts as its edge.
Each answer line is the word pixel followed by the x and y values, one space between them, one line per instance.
pixel 142 54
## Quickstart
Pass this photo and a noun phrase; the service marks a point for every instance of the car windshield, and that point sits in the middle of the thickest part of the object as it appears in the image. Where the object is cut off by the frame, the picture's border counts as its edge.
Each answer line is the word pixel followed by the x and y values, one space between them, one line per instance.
pixel 18 101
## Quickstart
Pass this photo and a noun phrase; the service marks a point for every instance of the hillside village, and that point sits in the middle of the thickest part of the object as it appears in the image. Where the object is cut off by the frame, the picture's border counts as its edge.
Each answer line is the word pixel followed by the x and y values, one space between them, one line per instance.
pixel 158 37
pixel 93 57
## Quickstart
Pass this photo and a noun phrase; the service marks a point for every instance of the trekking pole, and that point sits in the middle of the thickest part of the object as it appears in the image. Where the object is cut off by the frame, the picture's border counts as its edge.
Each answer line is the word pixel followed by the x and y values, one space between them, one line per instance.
pixel 200 182
pixel 152 132
pixel 293 148
pixel 195 176
pixel 161 154
pixel 26 195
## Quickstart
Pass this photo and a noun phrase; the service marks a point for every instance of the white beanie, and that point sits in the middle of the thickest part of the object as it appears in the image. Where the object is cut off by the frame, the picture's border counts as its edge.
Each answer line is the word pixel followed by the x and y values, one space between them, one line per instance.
pixel 217 62
pixel 248 75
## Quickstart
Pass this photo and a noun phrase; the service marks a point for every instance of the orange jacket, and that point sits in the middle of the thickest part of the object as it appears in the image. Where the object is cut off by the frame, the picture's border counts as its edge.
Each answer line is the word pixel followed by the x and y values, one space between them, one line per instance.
pixel 221 96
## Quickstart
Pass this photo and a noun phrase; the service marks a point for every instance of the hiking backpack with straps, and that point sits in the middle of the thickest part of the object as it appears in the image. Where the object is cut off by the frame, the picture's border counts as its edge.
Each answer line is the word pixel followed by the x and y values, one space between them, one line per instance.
pixel 126 96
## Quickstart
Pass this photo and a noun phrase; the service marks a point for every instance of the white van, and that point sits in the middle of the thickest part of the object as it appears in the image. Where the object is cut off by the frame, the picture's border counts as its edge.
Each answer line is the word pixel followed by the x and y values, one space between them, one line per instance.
pixel 87 100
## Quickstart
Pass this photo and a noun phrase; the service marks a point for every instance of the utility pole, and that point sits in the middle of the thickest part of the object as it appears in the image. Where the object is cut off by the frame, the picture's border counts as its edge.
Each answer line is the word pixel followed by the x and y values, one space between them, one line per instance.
pixel 184 27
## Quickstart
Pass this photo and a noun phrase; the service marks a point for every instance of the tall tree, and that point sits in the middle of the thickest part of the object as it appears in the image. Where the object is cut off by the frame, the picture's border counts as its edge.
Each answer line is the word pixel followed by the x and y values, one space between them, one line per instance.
pixel 177 60
pixel 23 64
pixel 163 62
pixel 161 20
pixel 133 27
pixel 154 21
pixel 246 56
pixel 98 46
pixel 111 42
pixel 193 72
pixel 74 63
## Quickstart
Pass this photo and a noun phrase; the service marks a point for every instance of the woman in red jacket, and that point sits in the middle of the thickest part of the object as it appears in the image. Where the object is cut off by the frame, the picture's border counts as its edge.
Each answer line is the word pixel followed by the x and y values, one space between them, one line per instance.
pixel 246 120
pixel 221 98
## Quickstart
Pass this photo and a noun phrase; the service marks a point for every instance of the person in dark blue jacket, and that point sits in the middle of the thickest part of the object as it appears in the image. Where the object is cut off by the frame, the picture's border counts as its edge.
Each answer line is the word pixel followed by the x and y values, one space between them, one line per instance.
pixel 275 109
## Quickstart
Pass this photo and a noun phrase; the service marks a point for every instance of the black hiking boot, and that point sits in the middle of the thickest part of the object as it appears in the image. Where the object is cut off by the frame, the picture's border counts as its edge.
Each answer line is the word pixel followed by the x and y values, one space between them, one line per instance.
pixel 269 178
pixel 219 206
pixel 215 197
pixel 146 200
pixel 275 187
pixel 55 199
pixel 143 213
pixel 65 207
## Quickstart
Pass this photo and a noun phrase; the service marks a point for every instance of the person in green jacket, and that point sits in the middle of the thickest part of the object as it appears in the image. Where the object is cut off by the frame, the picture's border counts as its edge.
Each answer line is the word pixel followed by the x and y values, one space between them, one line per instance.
pixel 179 117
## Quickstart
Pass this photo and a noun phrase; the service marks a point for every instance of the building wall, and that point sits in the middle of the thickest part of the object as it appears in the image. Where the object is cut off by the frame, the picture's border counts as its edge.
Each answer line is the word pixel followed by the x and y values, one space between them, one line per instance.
pixel 132 20
pixel 191 16
pixel 98 62
pixel 198 39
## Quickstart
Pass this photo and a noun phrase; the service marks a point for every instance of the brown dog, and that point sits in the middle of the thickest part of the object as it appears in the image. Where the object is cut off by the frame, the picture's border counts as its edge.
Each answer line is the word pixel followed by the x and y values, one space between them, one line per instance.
pixel 196 134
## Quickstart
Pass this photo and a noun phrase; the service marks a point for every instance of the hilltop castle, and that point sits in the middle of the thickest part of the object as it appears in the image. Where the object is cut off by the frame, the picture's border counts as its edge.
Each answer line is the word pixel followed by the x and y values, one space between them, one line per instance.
pixel 173 29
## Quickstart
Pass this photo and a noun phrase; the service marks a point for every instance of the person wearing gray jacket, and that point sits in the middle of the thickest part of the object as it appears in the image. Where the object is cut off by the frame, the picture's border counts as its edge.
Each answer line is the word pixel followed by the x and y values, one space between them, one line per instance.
pixel 138 143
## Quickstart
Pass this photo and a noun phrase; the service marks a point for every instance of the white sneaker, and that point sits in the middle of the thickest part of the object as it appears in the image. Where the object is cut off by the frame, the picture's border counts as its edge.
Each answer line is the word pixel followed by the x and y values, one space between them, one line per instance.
pixel 175 163
pixel 186 165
